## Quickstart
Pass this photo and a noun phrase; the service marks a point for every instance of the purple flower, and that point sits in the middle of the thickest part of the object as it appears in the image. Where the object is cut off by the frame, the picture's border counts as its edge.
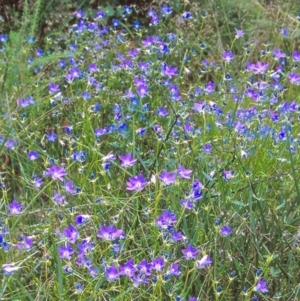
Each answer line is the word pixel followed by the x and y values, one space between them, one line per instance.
pixel 37 182
pixel 257 68
pixel 228 175
pixel 278 54
pixel 142 90
pixel 186 15
pixel 127 269
pixel 167 220
pixel 136 183
pixel 15 208
pixel 296 56
pixel 199 107
pixel 69 187
pixel 144 267
pixel 169 70
pixel 25 244
pixel 53 88
pixel 139 279
pixel 65 252
pixel 184 173
pixel 294 78
pixel 110 233
pixel 190 252
pixel 56 172
pixel 167 178
pixel 157 264
pixel 187 204
pixel 82 219
pixel 51 137
pixel 173 270
pixel 261 286
pixel 32 155
pixel 177 236
pixel 127 160
pixel 203 262
pixel 162 112
pixel 228 56
pixel 239 33
pixel 226 230
pixel 9 269
pixel 207 148
pixel 209 87
pixel 109 157
pixel 141 131
pixel 112 274
pixel 59 199
pixel 78 14
pixel 71 234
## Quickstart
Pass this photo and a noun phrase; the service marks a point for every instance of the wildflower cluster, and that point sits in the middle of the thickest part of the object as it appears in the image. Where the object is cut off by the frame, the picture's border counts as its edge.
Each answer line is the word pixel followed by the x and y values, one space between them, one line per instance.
pixel 145 181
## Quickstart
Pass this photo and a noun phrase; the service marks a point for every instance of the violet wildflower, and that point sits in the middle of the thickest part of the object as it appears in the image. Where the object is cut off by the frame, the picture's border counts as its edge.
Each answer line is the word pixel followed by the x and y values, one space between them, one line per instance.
pixel 258 68
pixel 177 236
pixel 59 199
pixel 199 107
pixel 204 262
pixel 139 279
pixel 141 131
pixel 162 112
pixel 71 234
pixel 110 233
pixel 65 252
pixel 261 286
pixel 25 244
pixel 69 187
pixel 137 183
pixel 127 160
pixel 174 270
pixel 225 230
pixel 239 33
pixel 112 274
pixel 187 204
pixel 157 264
pixel 166 220
pixel 294 78
pixel 37 182
pixel 186 15
pixel 142 90
pixel 169 70
pixel 190 252
pixel 51 137
pixel 228 175
pixel 53 88
pixel 9 269
pixel 32 155
pixel 82 219
pixel 184 173
pixel 207 148
pixel 127 269
pixel 56 172
pixel 278 54
pixel 144 267
pixel 296 56
pixel 228 56
pixel 167 178
pixel 109 157
pixel 15 208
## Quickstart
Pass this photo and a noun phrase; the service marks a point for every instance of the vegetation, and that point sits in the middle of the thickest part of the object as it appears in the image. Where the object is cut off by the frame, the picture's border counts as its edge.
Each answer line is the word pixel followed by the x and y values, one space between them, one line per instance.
pixel 154 159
